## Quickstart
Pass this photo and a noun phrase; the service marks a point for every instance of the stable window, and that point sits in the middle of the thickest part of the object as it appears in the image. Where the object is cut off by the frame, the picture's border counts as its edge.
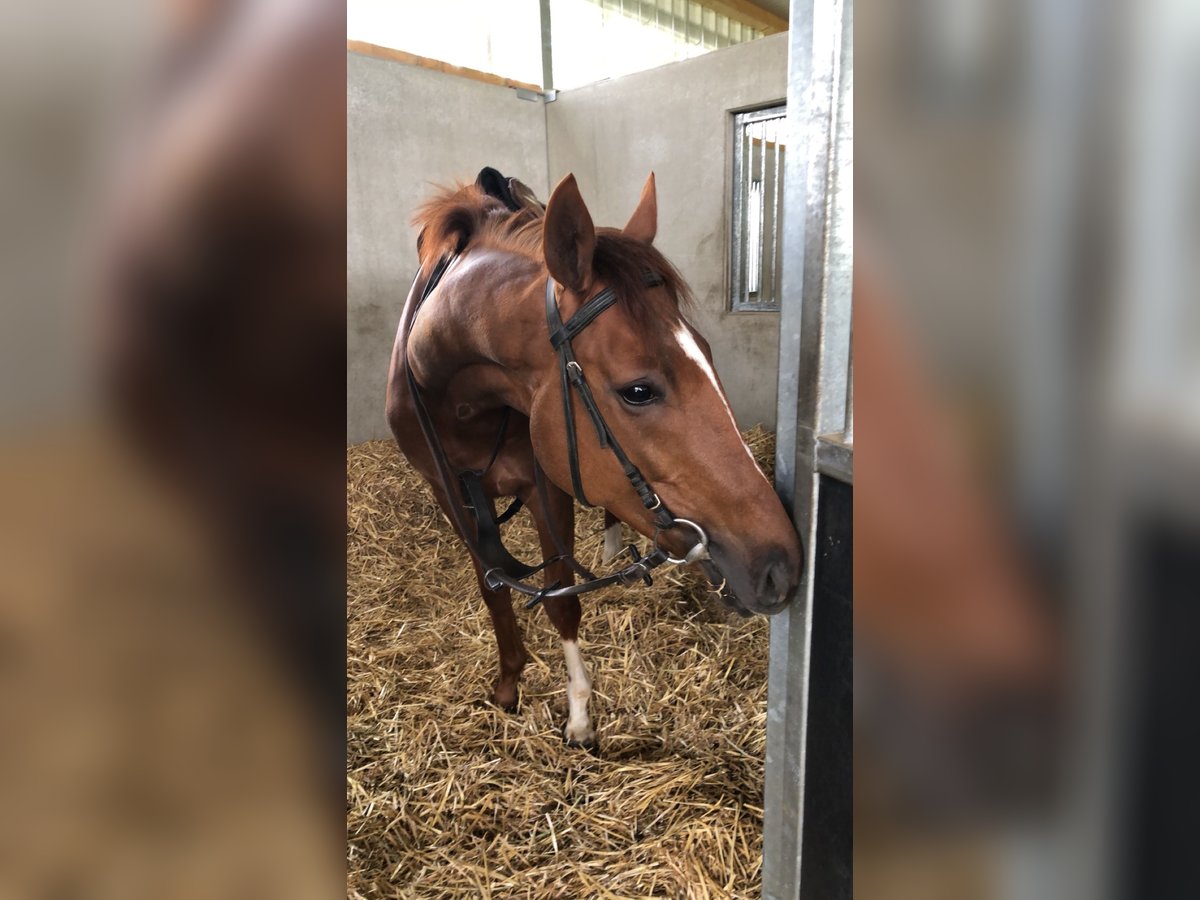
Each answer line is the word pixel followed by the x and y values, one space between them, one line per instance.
pixel 758 153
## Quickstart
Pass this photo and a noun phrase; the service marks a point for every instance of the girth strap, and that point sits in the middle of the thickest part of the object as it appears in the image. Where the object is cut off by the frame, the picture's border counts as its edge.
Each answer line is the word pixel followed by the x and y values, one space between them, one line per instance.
pixel 488 546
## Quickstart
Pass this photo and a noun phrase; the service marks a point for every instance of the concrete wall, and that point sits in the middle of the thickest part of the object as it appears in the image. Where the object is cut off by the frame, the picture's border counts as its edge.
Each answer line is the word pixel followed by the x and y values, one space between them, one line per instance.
pixel 407 128
pixel 675 120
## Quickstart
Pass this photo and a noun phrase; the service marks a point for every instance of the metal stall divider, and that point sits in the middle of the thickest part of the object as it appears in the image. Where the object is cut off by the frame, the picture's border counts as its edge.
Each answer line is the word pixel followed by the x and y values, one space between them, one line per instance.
pixel 807 838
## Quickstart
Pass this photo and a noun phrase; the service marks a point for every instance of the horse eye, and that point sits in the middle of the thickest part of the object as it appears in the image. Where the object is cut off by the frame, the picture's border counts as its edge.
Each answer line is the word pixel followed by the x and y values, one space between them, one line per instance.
pixel 638 394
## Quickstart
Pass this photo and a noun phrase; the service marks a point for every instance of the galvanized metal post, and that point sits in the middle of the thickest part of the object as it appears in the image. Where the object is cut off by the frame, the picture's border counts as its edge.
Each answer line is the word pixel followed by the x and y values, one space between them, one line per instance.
pixel 814 358
pixel 547 48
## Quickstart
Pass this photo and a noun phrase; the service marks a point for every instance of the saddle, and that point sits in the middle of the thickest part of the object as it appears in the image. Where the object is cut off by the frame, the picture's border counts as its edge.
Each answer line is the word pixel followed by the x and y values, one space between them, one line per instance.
pixel 514 194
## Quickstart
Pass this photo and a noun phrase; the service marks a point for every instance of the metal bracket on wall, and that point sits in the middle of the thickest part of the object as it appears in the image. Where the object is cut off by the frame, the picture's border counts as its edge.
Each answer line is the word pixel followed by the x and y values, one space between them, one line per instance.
pixel 835 457
pixel 544 96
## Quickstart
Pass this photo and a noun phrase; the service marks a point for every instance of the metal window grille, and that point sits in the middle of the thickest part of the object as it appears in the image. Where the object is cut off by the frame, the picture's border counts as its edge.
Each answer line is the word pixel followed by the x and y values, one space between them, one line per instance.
pixel 593 39
pixel 692 20
pixel 758 159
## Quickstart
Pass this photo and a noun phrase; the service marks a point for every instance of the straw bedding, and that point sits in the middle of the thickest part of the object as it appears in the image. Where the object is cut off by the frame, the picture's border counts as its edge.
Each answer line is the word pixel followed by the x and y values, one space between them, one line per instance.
pixel 448 796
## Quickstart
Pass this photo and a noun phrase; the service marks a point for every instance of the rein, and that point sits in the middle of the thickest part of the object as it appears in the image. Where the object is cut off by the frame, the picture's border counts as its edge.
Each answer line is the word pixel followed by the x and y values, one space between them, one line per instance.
pixel 465 488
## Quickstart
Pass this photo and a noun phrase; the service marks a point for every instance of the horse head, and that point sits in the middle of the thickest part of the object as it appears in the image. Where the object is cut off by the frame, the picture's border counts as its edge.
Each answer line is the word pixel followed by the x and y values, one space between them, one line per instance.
pixel 652 376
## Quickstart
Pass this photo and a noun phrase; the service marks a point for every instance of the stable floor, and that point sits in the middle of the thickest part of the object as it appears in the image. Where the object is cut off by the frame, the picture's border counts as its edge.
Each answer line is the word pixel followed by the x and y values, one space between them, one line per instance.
pixel 448 796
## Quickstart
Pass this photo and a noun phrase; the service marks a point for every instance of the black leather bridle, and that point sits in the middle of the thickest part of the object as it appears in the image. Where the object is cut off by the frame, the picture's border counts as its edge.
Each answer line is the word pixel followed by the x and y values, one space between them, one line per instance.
pixel 571 376
pixel 482 535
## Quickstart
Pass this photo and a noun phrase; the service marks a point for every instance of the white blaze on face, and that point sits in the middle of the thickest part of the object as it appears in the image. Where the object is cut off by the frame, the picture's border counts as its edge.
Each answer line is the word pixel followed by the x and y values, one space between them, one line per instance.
pixel 579 691
pixel 691 349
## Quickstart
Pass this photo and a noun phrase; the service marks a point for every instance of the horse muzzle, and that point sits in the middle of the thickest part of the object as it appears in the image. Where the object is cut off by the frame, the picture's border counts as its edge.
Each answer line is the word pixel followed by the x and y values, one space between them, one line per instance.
pixel 764 585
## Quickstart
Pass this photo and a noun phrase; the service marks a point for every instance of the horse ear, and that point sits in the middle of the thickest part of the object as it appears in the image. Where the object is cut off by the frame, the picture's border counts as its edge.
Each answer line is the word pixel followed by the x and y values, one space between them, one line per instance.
pixel 643 224
pixel 568 237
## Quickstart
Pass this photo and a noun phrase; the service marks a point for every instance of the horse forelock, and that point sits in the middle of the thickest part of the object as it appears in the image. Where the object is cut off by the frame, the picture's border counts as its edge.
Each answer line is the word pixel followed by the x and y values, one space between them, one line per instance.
pixel 459 218
pixel 622 262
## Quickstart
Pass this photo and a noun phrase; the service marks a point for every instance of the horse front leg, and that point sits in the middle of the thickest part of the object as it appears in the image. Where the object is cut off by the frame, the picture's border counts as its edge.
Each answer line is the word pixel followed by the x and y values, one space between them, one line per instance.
pixel 554 515
pixel 509 643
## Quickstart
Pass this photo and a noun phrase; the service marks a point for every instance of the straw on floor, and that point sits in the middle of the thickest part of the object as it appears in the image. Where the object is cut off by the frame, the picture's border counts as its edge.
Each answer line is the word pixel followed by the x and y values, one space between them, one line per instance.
pixel 448 796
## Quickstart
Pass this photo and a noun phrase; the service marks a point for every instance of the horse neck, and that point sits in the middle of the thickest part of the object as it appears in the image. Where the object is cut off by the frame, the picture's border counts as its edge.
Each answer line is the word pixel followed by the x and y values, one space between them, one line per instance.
pixel 484 327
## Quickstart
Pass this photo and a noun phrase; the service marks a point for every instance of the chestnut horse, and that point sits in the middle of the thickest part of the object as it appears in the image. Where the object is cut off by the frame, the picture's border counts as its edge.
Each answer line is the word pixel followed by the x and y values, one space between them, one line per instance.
pixel 476 347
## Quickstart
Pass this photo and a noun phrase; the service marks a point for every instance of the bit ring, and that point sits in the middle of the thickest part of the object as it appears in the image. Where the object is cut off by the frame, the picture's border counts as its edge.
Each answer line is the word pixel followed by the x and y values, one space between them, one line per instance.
pixel 698 551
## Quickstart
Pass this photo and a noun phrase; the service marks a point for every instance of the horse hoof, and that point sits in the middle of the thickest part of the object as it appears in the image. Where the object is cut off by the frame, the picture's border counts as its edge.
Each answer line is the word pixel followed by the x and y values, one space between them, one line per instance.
pixel 511 706
pixel 590 743
pixel 592 747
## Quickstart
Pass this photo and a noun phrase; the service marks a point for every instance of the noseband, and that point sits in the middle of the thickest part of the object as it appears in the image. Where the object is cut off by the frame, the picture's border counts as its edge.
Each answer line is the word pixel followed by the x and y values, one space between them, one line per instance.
pixel 500 568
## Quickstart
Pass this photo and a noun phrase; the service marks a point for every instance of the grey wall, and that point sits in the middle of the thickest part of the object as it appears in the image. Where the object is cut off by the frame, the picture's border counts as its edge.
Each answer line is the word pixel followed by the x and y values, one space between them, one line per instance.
pixel 675 121
pixel 407 128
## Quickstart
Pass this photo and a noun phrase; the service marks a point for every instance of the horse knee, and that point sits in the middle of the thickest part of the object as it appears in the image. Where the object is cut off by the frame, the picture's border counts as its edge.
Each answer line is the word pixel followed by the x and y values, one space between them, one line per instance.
pixel 564 613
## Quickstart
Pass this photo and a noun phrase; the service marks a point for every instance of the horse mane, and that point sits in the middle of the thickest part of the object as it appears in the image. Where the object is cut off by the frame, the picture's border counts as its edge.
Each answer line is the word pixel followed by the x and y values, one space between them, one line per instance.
pixel 461 217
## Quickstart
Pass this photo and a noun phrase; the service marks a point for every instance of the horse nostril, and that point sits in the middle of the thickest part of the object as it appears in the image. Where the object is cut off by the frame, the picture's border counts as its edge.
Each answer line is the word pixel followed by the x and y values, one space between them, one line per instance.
pixel 774 582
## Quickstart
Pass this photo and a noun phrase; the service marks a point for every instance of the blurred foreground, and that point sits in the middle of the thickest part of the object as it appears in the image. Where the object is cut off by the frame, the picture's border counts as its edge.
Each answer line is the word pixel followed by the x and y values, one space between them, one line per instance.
pixel 171 449
pixel 151 748
pixel 1026 222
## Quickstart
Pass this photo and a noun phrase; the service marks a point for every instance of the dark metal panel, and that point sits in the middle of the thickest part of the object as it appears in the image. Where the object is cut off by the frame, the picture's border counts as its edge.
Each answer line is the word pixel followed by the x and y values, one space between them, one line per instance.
pixel 829 757
pixel 1162 810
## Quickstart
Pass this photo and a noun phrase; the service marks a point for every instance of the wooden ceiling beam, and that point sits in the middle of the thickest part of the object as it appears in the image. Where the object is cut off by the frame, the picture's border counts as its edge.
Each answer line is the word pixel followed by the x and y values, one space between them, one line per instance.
pixel 753 15
pixel 411 59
